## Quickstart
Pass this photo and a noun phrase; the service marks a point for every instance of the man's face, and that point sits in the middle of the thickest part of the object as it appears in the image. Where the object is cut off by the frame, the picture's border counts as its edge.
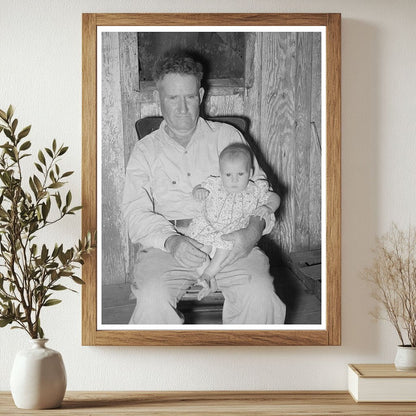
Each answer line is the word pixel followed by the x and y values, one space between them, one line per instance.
pixel 235 174
pixel 180 98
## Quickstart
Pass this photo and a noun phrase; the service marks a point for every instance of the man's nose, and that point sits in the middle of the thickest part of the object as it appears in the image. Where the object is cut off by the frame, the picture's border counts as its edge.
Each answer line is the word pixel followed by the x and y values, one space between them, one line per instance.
pixel 183 107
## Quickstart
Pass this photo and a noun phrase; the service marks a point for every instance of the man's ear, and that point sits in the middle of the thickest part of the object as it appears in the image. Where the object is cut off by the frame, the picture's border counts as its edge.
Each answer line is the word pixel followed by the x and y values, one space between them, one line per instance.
pixel 201 94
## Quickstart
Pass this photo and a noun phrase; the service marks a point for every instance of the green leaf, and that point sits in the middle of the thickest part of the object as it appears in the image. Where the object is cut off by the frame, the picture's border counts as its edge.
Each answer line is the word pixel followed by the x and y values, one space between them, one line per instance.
pixel 8 133
pixel 44 253
pixel 67 174
pixel 68 199
pixel 37 182
pixel 63 150
pixel 49 152
pixel 39 167
pixel 3 115
pixel 59 287
pixel 58 199
pixel 54 145
pixel 25 145
pixel 24 132
pixel 41 157
pixel 77 280
pixel 56 185
pixel 14 125
pixel 10 112
pixel 33 187
pixel 72 210
pixel 40 332
pixel 51 302
pixel 5 321
pixel 45 211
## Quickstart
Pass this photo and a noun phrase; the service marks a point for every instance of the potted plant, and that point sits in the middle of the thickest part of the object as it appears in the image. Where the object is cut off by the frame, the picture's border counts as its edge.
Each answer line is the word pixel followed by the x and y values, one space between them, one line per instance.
pixel 393 277
pixel 31 273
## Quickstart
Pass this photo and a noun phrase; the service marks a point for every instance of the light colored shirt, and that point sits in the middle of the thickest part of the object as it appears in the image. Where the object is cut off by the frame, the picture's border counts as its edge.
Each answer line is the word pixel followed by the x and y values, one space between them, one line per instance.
pixel 161 174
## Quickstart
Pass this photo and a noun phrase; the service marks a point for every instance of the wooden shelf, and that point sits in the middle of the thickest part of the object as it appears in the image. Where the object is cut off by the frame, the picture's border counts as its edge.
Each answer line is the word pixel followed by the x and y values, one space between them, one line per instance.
pixel 181 403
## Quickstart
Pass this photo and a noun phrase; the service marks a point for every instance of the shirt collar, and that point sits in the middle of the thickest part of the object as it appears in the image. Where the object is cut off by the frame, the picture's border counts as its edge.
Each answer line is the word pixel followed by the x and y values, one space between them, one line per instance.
pixel 201 127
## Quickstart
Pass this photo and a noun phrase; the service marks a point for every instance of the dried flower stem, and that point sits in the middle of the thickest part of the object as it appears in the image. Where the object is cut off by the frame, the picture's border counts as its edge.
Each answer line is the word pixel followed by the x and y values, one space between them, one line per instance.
pixel 393 276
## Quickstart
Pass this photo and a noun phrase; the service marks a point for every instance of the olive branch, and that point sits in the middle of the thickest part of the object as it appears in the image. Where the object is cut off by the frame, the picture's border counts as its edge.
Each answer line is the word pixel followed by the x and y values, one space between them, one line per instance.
pixel 30 273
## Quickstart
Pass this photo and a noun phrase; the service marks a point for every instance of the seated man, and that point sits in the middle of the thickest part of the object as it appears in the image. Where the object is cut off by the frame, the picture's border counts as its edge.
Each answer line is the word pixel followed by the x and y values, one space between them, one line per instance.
pixel 158 205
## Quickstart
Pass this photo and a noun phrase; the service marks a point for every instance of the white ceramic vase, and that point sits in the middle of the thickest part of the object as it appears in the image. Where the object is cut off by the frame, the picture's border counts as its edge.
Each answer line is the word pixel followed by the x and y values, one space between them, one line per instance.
pixel 38 377
pixel 405 358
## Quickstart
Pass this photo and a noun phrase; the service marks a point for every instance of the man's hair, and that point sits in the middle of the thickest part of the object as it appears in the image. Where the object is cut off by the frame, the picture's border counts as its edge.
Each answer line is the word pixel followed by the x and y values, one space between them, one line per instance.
pixel 177 62
pixel 235 151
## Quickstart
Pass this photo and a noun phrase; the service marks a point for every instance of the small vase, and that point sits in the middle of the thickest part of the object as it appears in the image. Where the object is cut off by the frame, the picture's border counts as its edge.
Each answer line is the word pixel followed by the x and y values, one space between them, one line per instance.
pixel 405 358
pixel 38 377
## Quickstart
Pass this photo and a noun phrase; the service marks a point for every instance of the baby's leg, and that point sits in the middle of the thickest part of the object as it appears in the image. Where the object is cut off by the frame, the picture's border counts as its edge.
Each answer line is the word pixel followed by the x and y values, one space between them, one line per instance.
pixel 207 279
pixel 214 266
pixel 207 250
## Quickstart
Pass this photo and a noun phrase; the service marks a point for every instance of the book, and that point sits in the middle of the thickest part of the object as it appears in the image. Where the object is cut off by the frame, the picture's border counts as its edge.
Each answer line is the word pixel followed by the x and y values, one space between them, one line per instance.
pixel 381 383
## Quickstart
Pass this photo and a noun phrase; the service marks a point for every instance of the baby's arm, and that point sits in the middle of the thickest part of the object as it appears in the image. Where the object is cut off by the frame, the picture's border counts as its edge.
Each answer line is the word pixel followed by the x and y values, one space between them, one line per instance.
pixel 271 206
pixel 200 193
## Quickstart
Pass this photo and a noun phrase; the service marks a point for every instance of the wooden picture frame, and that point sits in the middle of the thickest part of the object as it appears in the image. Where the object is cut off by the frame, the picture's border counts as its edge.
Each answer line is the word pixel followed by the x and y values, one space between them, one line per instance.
pixel 330 331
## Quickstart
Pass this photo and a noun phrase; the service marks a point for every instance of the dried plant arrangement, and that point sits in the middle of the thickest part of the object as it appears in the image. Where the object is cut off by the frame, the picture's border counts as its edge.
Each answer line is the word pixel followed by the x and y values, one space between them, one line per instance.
pixel 393 277
pixel 30 272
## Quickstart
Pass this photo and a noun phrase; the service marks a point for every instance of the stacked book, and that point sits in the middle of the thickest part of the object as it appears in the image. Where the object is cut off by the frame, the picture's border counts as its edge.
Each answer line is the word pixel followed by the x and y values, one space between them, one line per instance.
pixel 381 383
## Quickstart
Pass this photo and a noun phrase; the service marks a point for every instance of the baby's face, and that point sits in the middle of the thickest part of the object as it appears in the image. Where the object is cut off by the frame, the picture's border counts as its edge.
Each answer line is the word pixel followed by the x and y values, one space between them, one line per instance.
pixel 235 174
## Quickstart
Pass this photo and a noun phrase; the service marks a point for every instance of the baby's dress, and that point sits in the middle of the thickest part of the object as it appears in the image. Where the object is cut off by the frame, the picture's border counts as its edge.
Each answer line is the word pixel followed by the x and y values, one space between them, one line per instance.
pixel 223 212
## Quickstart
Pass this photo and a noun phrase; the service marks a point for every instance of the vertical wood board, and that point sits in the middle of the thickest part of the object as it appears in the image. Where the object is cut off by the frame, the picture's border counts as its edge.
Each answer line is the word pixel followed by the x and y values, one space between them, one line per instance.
pixel 315 180
pixel 113 240
pixel 302 139
pixel 277 126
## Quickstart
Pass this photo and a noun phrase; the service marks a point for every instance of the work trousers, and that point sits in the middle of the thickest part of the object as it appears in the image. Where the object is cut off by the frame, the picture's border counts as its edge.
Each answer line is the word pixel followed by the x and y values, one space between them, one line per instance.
pixel 249 296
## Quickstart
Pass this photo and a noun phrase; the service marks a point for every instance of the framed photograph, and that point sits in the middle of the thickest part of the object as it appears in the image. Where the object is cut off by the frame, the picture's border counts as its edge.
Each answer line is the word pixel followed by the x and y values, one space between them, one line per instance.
pixel 271 81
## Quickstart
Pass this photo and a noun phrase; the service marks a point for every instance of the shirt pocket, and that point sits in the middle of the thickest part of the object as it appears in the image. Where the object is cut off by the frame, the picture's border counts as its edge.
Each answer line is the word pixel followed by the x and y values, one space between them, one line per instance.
pixel 163 182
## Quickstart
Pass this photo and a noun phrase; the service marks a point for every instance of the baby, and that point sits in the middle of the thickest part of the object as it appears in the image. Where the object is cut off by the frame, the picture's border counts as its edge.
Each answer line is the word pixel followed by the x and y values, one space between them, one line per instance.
pixel 228 202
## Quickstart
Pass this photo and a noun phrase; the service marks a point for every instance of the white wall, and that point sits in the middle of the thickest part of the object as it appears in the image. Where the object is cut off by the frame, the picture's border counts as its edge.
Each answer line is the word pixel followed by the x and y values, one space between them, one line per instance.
pixel 40 73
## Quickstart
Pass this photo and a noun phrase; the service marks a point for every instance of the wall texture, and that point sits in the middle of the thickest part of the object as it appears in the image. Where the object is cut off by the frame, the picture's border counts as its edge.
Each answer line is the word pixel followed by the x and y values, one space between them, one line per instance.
pixel 40 73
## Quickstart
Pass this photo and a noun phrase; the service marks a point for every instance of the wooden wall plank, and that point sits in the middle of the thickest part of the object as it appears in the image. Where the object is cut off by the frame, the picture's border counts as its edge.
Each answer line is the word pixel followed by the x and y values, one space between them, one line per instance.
pixel 303 87
pixel 131 111
pixel 253 74
pixel 223 105
pixel 129 80
pixel 113 239
pixel 316 148
pixel 277 127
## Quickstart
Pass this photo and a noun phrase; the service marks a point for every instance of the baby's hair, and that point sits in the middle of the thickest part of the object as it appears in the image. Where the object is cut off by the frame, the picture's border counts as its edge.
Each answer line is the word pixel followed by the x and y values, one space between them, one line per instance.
pixel 235 151
pixel 177 62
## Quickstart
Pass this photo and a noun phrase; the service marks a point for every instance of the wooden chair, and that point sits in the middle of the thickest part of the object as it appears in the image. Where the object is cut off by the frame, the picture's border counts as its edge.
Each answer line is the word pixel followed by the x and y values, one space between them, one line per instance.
pixel 146 125
pixel 209 309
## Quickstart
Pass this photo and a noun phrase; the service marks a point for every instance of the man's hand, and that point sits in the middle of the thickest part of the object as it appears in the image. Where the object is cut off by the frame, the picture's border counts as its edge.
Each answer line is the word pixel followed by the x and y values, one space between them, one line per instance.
pixel 186 251
pixel 244 240
pixel 200 193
